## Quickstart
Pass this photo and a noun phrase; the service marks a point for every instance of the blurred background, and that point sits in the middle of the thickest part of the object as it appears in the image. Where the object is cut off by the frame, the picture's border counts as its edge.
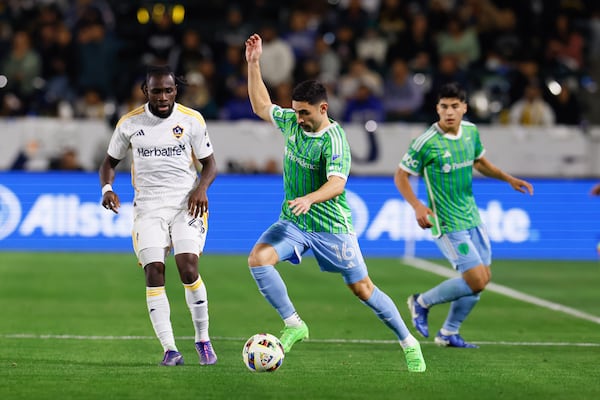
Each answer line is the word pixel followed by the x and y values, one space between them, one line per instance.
pixel 70 68
pixel 527 63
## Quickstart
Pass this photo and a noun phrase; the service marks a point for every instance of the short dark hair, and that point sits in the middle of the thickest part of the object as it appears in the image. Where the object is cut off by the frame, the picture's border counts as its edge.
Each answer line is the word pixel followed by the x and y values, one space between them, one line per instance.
pixel 452 91
pixel 310 91
pixel 161 70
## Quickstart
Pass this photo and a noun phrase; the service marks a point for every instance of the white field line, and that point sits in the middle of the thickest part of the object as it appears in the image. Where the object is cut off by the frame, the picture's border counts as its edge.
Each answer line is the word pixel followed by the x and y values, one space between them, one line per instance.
pixel 413 262
pixel 240 339
pixel 493 287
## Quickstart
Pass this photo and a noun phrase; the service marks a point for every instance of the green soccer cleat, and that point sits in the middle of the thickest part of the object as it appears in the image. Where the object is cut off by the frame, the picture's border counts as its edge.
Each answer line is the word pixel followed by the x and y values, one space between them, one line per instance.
pixel 293 334
pixel 414 358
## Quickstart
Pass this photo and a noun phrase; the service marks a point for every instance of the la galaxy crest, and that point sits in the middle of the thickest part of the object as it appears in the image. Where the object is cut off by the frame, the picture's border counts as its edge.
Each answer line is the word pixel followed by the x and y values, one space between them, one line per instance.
pixel 178 131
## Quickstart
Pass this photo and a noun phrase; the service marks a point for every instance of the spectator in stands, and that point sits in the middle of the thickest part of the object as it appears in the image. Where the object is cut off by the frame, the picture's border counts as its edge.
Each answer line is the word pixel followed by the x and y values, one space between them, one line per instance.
pixel 278 60
pixel 67 160
pixel 354 15
pixel 163 38
pixel 566 106
pixel 193 50
pixel 344 46
pixel 372 48
pixel 196 94
pixel 532 109
pixel 309 69
pixel 135 99
pixel 402 97
pixel 59 68
pixel 359 74
pixel 416 45
pixel 526 69
pixel 392 20
pixel 96 59
pixel 299 35
pixel 235 30
pixel 91 105
pixel 229 67
pixel 22 69
pixel 329 61
pixel 238 107
pixel 364 106
pixel 565 46
pixel 459 41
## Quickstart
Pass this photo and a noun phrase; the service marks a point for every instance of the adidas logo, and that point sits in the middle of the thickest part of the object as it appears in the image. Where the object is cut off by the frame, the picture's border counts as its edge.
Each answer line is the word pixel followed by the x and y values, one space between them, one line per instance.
pixel 139 133
pixel 447 154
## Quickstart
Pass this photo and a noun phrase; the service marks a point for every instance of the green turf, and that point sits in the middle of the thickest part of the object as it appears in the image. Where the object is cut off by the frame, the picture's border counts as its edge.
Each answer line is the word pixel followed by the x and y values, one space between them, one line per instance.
pixel 96 302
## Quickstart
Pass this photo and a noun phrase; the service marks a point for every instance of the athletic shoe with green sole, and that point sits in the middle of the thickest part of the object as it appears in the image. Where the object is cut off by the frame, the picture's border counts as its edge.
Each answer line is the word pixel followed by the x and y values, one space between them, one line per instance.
pixel 293 334
pixel 414 358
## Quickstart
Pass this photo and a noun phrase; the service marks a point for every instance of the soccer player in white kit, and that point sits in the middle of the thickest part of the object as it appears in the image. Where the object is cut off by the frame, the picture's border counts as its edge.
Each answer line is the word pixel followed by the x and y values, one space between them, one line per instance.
pixel 167 141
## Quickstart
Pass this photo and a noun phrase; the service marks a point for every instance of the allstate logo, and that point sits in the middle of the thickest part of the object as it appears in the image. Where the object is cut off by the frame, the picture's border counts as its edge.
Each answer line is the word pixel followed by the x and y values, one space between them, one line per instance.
pixel 10 212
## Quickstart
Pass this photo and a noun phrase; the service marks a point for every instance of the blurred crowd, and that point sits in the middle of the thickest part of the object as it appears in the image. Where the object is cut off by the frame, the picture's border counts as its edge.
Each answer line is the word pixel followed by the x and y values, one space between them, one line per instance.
pixel 523 62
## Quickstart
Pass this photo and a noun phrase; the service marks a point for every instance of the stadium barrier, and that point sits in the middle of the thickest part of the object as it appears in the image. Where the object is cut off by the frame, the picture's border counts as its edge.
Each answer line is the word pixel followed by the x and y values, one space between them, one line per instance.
pixel 377 149
pixel 61 211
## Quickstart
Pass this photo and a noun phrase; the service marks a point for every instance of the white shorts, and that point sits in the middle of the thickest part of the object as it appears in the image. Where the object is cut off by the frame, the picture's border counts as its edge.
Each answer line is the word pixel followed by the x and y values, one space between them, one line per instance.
pixel 168 228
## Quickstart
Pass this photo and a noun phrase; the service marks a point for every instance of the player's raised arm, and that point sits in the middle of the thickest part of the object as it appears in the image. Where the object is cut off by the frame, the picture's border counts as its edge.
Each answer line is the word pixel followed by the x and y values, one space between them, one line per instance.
pixel 259 96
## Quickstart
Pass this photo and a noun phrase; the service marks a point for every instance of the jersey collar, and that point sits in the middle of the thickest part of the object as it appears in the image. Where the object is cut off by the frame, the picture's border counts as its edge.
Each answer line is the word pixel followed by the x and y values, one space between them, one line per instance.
pixel 447 135
pixel 320 133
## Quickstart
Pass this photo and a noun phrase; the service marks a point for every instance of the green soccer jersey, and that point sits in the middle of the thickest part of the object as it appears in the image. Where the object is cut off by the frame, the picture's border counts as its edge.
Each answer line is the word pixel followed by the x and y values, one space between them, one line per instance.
pixel 309 159
pixel 446 163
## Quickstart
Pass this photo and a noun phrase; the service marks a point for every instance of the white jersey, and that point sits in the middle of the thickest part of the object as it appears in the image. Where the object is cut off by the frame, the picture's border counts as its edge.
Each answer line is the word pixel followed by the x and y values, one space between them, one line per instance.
pixel 164 152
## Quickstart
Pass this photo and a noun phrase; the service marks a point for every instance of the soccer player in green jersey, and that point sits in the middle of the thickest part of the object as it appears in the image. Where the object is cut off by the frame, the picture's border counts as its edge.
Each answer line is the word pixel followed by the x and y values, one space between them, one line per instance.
pixel 315 214
pixel 445 156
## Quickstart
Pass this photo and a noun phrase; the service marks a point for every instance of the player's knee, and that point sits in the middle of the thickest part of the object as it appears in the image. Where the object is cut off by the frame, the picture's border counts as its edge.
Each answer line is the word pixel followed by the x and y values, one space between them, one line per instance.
pixel 477 278
pixel 262 255
pixel 155 274
pixel 362 289
pixel 478 284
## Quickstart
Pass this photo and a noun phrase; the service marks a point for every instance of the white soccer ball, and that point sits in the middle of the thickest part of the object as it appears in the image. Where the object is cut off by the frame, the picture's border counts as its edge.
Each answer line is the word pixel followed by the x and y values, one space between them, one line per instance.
pixel 263 352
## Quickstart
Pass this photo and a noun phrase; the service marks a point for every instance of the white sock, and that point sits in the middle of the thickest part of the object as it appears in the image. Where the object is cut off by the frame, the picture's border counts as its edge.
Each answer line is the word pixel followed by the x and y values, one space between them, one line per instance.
pixel 421 303
pixel 409 341
pixel 160 316
pixel 293 320
pixel 447 332
pixel 196 299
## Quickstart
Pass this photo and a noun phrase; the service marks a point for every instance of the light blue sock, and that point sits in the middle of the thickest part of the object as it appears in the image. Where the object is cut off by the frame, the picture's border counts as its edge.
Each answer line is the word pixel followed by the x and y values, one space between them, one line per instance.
pixel 387 312
pixel 449 290
pixel 272 287
pixel 459 309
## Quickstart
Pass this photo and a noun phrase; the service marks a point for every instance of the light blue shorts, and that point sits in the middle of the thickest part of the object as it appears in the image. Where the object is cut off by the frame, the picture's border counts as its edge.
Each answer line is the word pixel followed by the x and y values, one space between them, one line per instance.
pixel 337 252
pixel 466 249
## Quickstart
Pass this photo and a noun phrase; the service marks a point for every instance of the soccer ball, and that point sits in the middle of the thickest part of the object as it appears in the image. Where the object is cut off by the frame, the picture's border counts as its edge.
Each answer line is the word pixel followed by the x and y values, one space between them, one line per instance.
pixel 263 352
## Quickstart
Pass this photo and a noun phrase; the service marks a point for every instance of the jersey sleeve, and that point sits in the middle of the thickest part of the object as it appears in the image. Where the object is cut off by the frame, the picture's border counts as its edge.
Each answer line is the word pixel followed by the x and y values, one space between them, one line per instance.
pixel 119 143
pixel 337 154
pixel 283 118
pixel 479 149
pixel 413 160
pixel 201 144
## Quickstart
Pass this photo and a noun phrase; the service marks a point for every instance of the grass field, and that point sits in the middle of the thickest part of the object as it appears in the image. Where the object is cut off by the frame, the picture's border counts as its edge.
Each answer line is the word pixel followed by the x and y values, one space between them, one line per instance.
pixel 74 326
